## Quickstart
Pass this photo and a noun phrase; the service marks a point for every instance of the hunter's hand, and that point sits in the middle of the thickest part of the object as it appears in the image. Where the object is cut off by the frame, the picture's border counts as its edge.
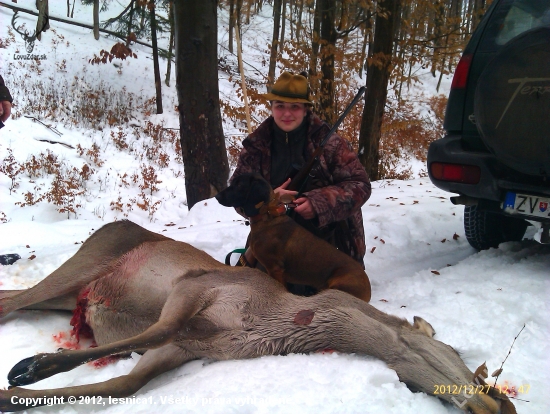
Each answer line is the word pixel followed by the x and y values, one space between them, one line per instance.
pixel 282 189
pixel 304 208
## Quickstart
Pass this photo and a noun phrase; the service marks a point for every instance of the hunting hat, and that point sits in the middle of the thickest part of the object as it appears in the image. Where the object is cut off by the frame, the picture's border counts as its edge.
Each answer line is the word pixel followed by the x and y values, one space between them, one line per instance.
pixel 289 88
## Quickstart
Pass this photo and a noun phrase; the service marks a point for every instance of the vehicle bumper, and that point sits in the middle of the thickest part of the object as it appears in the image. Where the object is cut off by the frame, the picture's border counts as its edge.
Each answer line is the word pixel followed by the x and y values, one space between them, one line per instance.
pixel 449 150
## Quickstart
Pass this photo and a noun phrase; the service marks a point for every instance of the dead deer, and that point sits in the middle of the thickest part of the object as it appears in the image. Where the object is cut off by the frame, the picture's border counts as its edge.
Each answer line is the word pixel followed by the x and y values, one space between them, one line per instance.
pixel 27 37
pixel 147 293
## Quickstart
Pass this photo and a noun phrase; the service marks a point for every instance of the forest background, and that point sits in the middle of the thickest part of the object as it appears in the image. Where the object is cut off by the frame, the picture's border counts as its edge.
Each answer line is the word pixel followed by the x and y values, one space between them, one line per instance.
pixel 387 45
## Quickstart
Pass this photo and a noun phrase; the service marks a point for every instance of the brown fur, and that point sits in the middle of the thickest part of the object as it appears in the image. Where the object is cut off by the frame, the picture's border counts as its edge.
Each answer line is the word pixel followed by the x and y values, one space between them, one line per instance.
pixel 175 303
pixel 290 253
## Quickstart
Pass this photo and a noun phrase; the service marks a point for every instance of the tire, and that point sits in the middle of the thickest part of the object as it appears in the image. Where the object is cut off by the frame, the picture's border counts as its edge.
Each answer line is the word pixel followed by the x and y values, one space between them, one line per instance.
pixel 485 229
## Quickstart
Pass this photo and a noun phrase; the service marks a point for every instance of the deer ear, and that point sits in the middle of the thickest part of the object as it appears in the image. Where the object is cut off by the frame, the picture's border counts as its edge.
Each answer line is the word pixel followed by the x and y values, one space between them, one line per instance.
pixel 481 374
pixel 424 327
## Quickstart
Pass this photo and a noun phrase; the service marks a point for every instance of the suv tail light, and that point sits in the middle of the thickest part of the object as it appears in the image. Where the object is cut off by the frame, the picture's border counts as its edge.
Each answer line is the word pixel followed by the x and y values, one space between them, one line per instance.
pixel 467 174
pixel 460 77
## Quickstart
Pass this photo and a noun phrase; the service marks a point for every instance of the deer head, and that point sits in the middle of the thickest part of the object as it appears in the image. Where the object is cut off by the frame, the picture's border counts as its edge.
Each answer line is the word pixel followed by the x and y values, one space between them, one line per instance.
pixel 28 38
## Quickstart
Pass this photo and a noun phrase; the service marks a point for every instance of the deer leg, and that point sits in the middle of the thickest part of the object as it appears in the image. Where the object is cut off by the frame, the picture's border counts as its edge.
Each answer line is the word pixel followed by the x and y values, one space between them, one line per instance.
pixel 185 300
pixel 98 256
pixel 66 302
pixel 153 363
pixel 8 293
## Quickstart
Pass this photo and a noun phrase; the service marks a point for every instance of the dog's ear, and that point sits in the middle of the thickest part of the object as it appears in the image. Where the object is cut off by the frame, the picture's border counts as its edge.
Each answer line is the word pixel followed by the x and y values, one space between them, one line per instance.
pixel 246 191
pixel 258 194
pixel 236 193
pixel 260 190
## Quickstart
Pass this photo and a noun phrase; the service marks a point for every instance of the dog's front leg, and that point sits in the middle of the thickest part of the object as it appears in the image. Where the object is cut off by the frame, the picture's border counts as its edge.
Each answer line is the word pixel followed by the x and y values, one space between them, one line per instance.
pixel 275 267
pixel 278 273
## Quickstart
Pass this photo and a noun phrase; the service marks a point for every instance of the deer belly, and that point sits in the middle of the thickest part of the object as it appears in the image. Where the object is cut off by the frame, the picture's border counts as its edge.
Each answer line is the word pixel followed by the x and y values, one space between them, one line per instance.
pixel 130 299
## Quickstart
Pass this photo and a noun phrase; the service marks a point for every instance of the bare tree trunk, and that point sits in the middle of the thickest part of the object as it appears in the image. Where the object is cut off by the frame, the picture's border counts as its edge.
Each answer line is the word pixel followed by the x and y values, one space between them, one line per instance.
pixel 142 20
pixel 96 19
pixel 243 79
pixel 470 14
pixel 248 11
pixel 283 25
pixel 43 13
pixel 291 19
pixel 231 23
pixel 437 34
pixel 130 22
pixel 72 10
pixel 299 20
pixel 315 38
pixel 170 43
pixel 202 140
pixel 477 13
pixel 155 56
pixel 274 43
pixel 328 46
pixel 68 8
pixel 377 87
pixel 366 38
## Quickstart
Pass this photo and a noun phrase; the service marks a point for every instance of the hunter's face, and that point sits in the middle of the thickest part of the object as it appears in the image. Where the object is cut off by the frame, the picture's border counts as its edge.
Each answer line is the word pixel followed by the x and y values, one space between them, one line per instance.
pixel 287 115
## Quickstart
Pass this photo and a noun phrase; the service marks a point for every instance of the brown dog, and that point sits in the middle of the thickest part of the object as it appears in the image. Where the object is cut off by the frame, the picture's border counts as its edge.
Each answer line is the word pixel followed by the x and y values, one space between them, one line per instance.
pixel 290 253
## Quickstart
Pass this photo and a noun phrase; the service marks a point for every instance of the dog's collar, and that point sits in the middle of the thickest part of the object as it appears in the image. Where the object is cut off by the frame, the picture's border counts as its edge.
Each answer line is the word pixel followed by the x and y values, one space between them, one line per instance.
pixel 272 209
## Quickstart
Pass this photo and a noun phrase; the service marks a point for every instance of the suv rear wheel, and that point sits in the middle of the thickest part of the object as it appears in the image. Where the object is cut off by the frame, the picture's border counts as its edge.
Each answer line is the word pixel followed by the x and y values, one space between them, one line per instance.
pixel 485 229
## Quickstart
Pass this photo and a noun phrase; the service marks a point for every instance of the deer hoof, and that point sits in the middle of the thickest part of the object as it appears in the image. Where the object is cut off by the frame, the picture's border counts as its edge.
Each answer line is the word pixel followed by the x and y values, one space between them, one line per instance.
pixel 22 373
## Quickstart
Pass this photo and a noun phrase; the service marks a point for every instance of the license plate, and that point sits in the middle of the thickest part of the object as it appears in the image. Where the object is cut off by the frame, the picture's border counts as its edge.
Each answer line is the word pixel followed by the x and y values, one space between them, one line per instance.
pixel 527 205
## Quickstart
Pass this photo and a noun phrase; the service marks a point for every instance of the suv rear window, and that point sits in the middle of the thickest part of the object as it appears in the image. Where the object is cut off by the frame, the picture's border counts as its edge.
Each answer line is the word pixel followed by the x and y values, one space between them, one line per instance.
pixel 511 18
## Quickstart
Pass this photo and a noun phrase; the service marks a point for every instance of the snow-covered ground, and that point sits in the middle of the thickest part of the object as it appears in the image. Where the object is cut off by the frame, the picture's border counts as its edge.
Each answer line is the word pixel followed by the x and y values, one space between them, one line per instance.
pixel 418 260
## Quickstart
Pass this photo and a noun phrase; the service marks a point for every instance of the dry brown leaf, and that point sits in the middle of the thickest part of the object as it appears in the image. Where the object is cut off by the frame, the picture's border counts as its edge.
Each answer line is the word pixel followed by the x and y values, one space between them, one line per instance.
pixel 435 272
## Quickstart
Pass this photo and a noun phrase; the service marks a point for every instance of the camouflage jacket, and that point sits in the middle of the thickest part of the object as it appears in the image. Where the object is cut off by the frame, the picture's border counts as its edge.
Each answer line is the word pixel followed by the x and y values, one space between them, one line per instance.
pixel 4 92
pixel 339 185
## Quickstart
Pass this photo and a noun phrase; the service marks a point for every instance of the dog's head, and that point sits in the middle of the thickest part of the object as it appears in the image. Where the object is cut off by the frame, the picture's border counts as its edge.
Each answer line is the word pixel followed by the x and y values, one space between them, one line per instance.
pixel 247 191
